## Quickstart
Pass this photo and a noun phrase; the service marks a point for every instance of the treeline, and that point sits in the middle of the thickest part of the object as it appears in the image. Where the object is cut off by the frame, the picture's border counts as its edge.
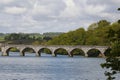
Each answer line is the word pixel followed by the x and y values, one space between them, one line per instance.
pixel 27 38
pixel 99 33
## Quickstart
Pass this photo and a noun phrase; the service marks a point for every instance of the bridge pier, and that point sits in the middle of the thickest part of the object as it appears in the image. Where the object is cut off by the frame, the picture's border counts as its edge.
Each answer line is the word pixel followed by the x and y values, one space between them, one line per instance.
pixel 86 55
pixel 53 52
pixel 5 54
pixel 85 52
pixel 70 55
pixel 102 55
pixel 54 55
pixel 22 54
pixel 38 54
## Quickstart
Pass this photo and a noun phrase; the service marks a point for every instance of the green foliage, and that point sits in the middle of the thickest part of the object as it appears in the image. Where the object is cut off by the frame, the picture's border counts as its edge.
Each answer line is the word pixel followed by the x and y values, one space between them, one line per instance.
pixel 113 32
pixel 14 50
pixel 103 23
pixel 93 26
pixel 113 61
pixel 93 53
pixel 71 38
pixel 113 64
pixel 77 52
pixel 26 38
pixel 61 51
pixel 115 52
pixel 2 37
pixel 36 43
pixel 45 50
pixel 107 52
pixel 19 36
pixel 96 34
pixel 29 50
pixel 47 38
pixel 52 34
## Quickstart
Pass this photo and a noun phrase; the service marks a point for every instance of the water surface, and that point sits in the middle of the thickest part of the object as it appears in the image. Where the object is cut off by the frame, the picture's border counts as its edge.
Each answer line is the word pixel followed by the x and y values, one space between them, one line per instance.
pixel 47 67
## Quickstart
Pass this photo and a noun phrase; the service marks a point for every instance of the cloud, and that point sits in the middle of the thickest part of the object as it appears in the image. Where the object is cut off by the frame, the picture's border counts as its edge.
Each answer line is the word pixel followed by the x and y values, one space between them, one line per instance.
pixel 71 9
pixel 5 1
pixel 41 9
pixel 15 10
pixel 95 9
pixel 54 15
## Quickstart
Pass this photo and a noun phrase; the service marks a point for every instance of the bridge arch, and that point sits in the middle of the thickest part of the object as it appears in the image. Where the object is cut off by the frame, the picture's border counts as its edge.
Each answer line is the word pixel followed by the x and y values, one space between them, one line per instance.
pixel 27 49
pixel 77 51
pixel 61 51
pixel 44 50
pixel 94 52
pixel 12 49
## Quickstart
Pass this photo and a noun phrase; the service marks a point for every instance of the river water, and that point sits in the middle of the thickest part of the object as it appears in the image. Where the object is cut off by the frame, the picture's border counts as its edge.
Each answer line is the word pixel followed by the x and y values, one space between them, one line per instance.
pixel 47 67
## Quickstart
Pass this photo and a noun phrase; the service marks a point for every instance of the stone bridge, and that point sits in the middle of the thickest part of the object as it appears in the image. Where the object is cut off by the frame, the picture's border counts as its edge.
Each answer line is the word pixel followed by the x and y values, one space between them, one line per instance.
pixel 53 48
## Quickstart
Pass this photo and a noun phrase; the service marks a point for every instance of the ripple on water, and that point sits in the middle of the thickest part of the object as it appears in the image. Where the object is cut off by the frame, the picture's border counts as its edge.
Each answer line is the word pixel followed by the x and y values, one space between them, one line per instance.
pixel 51 68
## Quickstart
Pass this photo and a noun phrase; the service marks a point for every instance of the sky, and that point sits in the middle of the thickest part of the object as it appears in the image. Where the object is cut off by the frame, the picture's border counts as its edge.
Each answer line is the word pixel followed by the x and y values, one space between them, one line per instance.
pixel 39 16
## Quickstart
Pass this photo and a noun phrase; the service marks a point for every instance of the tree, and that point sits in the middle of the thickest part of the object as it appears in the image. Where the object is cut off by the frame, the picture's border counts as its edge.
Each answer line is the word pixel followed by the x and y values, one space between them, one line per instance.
pixel 76 37
pixel 47 38
pixel 103 23
pixel 96 34
pixel 113 59
pixel 93 26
